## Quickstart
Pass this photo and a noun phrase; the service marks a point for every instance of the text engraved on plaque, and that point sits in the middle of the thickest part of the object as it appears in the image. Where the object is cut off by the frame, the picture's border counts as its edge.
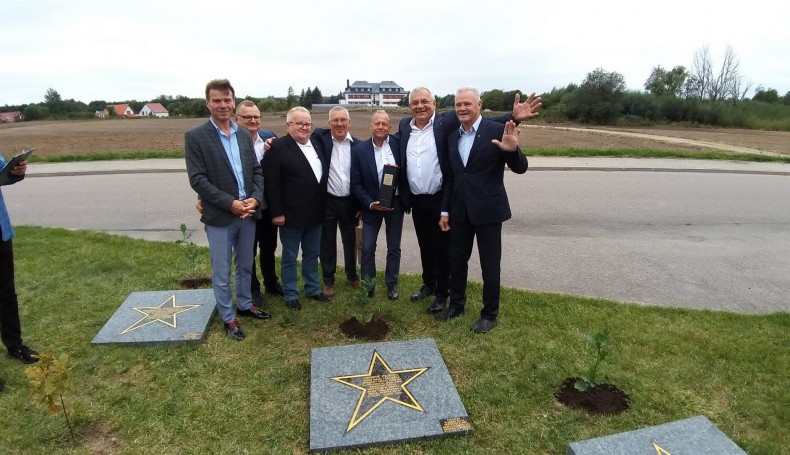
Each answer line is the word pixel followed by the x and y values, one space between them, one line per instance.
pixel 378 385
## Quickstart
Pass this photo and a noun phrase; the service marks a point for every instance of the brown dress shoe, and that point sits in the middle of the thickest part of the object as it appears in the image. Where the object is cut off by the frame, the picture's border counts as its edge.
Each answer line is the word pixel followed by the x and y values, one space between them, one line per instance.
pixel 329 290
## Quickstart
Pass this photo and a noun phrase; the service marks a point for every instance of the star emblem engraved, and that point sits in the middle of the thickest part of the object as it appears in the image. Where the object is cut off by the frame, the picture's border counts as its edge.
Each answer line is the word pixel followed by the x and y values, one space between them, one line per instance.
pixel 164 313
pixel 378 385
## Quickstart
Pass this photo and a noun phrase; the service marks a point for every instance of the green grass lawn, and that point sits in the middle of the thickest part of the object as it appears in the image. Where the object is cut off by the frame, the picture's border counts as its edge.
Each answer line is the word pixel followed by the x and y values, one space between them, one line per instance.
pixel 222 396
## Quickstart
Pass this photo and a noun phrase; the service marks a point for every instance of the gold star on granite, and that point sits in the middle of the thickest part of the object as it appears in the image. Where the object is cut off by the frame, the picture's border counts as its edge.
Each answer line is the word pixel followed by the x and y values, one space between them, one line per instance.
pixel 378 385
pixel 164 313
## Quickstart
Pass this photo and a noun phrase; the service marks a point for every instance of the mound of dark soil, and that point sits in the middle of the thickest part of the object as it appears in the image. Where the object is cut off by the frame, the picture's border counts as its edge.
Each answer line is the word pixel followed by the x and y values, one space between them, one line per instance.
pixel 375 330
pixel 601 399
pixel 195 282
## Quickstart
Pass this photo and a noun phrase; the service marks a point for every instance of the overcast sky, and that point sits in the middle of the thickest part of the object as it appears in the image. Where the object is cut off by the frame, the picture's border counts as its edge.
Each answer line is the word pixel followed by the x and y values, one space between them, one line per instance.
pixel 138 49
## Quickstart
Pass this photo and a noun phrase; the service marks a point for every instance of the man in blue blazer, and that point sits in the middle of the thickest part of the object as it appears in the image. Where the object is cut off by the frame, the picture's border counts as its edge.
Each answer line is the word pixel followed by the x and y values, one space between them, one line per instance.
pixel 341 206
pixel 367 164
pixel 226 175
pixel 475 202
pixel 295 174
pixel 423 144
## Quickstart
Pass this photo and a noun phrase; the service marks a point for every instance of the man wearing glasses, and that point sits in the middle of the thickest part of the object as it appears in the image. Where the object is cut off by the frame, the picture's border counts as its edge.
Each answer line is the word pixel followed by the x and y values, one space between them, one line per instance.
pixel 341 206
pixel 295 174
pixel 248 116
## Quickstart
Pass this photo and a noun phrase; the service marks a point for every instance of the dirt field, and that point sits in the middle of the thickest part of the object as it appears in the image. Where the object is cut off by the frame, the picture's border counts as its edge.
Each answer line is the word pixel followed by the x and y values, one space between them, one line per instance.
pixel 74 137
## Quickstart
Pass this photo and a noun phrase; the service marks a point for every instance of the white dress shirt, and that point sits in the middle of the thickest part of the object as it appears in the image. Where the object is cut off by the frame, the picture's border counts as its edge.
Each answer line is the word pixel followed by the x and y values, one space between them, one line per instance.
pixel 422 160
pixel 339 183
pixel 312 158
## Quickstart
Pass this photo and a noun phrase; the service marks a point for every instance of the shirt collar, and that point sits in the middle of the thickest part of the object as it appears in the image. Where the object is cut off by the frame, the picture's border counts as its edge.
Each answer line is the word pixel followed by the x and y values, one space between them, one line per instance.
pixel 475 126
pixel 347 138
pixel 430 123
pixel 233 126
pixel 386 141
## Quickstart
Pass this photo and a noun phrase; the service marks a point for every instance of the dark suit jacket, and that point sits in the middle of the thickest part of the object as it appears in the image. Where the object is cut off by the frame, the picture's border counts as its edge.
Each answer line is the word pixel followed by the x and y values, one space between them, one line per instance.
pixel 324 135
pixel 478 190
pixel 444 124
pixel 266 134
pixel 365 183
pixel 290 185
pixel 211 175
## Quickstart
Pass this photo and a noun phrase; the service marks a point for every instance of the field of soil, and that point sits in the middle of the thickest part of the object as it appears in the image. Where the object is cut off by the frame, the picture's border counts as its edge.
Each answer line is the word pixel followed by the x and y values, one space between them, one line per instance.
pixel 91 136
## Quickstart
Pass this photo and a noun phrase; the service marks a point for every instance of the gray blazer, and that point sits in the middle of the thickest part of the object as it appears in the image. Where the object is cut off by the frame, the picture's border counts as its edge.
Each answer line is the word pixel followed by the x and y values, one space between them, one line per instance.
pixel 211 176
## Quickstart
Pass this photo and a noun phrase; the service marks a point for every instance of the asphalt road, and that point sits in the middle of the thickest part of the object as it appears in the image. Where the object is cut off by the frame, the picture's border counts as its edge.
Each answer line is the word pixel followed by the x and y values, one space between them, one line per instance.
pixel 674 239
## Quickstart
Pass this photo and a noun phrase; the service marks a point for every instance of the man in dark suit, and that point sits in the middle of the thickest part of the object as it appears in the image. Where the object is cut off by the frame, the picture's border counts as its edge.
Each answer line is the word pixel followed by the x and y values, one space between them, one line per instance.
pixel 248 116
pixel 367 164
pixel 475 202
pixel 226 175
pixel 423 144
pixel 341 206
pixel 295 174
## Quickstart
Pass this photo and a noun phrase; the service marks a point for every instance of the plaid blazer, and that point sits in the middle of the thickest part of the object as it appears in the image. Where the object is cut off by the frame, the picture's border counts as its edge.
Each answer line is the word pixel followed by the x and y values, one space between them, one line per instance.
pixel 211 175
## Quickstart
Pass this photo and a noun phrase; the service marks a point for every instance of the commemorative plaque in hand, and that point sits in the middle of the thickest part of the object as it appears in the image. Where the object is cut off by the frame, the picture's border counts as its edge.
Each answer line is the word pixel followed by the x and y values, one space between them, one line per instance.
pixel 389 185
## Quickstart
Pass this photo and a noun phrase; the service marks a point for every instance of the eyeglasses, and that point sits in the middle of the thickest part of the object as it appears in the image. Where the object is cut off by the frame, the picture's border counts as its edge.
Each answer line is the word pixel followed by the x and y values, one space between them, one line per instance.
pixel 301 124
pixel 338 121
pixel 250 117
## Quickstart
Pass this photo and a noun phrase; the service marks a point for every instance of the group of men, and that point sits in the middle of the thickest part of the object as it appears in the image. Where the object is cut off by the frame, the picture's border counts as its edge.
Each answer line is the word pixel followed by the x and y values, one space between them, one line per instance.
pixel 311 183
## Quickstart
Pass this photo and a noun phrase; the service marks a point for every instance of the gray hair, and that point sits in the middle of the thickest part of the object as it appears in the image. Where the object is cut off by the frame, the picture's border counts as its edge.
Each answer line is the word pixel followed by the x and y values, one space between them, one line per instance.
pixel 468 89
pixel 338 109
pixel 289 116
pixel 417 90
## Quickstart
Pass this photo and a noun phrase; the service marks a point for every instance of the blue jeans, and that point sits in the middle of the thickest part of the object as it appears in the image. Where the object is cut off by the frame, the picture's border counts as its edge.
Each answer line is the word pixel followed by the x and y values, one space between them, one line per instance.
pixel 223 241
pixel 309 238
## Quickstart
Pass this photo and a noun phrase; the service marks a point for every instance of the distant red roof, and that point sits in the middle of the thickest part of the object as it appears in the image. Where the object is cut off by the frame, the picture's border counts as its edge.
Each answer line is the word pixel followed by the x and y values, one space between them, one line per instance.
pixel 156 108
pixel 120 109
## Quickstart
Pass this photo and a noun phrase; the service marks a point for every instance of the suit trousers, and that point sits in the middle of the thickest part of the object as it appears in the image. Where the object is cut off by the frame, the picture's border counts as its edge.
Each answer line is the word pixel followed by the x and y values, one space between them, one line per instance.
pixel 309 238
pixel 266 240
pixel 10 327
pixel 223 241
pixel 434 243
pixel 489 246
pixel 340 212
pixel 370 233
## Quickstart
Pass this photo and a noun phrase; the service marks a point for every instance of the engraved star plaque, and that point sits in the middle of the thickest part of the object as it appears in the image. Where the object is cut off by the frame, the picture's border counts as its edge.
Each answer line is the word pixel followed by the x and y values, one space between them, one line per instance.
pixel 381 384
pixel 383 392
pixel 160 317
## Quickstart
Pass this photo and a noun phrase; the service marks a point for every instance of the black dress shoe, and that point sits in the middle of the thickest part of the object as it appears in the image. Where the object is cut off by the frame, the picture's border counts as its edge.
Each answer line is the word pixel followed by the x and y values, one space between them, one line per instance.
pixel 293 305
pixel 254 312
pixel 276 289
pixel 437 305
pixel 424 292
pixel 392 292
pixel 483 325
pixel 319 297
pixel 449 313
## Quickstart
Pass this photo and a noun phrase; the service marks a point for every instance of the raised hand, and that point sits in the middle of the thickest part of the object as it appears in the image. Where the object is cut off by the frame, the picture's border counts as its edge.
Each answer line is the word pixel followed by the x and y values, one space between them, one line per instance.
pixel 528 109
pixel 509 142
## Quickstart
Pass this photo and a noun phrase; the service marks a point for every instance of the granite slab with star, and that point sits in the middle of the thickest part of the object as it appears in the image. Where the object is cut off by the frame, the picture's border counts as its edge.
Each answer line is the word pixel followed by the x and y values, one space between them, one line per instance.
pixel 176 316
pixel 384 392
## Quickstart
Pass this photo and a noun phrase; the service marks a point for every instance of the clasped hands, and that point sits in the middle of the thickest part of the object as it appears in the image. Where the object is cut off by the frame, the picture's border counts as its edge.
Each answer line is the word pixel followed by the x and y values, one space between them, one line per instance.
pixel 244 208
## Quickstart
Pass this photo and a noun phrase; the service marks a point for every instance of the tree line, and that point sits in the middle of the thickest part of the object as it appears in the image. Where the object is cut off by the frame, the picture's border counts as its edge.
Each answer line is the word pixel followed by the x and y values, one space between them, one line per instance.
pixel 701 94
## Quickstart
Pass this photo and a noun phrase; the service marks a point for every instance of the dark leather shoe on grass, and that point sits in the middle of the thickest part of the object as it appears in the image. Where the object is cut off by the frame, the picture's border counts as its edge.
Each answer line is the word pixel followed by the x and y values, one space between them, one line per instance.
pixel 320 298
pixel 254 312
pixel 392 292
pixel 438 305
pixel 293 305
pixel 23 354
pixel 483 325
pixel 448 313
pixel 424 292
pixel 276 289
pixel 233 329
